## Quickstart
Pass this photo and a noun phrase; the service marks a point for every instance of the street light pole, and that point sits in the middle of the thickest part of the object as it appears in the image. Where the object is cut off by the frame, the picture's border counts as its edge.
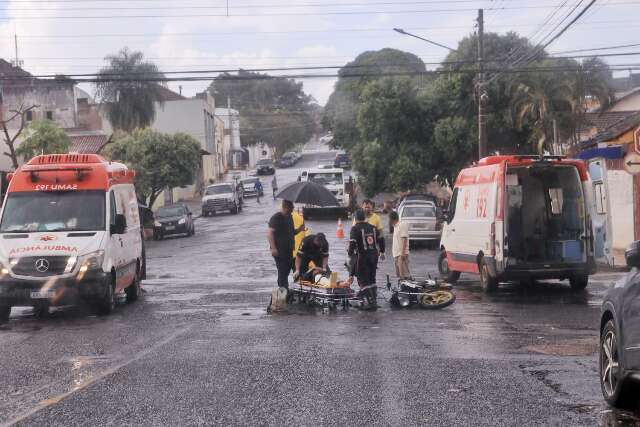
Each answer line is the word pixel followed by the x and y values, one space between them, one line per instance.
pixel 401 31
pixel 482 125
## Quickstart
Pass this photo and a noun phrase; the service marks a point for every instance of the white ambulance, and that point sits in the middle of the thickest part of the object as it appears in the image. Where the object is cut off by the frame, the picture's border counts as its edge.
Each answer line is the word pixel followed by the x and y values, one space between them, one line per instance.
pixel 69 232
pixel 526 218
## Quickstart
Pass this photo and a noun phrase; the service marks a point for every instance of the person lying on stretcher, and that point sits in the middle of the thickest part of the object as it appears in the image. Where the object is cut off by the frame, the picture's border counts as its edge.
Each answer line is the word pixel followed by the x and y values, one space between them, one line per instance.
pixel 312 258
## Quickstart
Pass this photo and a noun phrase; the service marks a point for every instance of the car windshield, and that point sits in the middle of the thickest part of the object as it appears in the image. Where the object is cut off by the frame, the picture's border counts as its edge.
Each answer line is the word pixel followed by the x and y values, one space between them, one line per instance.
pixel 419 212
pixel 219 189
pixel 325 178
pixel 54 211
pixel 342 157
pixel 169 211
pixel 265 162
pixel 249 181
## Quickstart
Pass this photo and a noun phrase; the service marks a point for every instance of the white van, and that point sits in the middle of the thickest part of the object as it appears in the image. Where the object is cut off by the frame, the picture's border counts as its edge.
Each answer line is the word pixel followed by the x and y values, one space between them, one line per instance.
pixel 330 178
pixel 527 218
pixel 69 232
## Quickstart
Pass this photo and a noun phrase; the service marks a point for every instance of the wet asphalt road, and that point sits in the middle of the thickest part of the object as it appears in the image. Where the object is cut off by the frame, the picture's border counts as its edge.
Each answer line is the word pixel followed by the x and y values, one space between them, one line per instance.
pixel 199 348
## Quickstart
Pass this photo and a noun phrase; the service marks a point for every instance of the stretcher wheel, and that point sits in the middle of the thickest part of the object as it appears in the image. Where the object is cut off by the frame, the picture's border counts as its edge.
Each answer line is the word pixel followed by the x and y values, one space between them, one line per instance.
pixel 394 300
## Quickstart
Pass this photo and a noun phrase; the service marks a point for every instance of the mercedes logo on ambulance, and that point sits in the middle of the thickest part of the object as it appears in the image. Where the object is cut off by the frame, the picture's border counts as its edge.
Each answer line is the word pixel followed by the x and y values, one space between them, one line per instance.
pixel 42 265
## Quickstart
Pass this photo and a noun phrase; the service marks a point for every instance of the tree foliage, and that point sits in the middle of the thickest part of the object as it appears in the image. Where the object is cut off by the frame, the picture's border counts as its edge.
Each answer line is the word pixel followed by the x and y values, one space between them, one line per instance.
pixel 43 137
pixel 273 110
pixel 161 161
pixel 404 131
pixel 124 88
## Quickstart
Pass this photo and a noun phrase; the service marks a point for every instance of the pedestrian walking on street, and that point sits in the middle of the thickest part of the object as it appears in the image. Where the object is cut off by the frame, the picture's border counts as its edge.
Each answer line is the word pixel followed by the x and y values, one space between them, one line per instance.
pixel 259 189
pixel 281 241
pixel 274 186
pixel 400 247
pixel 365 245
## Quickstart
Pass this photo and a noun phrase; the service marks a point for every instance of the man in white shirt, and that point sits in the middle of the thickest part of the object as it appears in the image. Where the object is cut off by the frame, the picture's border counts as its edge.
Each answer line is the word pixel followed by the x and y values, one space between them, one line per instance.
pixel 400 248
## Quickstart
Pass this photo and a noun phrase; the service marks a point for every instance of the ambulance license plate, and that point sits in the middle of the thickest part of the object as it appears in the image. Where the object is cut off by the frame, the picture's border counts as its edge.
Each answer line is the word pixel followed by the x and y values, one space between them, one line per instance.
pixel 170 227
pixel 42 294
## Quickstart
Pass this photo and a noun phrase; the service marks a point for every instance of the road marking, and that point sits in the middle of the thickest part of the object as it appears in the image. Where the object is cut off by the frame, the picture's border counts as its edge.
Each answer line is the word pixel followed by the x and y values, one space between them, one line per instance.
pixel 59 398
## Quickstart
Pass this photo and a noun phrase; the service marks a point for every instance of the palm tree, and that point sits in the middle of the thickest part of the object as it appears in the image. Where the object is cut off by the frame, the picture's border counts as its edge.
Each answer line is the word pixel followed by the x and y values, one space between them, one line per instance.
pixel 537 100
pixel 128 89
pixel 590 86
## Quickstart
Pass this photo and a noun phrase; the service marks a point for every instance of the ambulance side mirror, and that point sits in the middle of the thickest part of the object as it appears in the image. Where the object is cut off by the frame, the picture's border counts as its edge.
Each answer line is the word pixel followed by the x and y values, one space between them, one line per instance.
pixel 119 225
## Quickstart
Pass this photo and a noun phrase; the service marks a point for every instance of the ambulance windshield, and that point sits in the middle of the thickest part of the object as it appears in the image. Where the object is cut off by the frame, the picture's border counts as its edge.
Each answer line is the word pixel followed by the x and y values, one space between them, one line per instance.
pixel 31 212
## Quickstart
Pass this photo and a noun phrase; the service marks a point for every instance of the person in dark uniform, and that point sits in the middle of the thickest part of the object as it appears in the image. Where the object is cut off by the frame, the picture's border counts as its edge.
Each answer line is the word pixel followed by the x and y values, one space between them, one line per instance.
pixel 365 245
pixel 314 248
pixel 281 241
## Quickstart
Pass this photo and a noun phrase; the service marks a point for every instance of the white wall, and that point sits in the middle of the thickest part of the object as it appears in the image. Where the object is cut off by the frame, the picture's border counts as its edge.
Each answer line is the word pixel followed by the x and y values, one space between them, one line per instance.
pixel 621 199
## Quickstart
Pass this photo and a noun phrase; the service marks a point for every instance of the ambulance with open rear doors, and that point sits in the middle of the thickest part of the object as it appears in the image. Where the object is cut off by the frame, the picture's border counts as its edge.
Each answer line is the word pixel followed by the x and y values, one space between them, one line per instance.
pixel 527 218
pixel 69 232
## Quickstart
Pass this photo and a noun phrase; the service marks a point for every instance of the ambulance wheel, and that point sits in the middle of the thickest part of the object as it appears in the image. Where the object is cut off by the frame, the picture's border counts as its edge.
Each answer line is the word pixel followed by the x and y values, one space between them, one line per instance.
pixel 5 312
pixel 107 302
pixel 579 282
pixel 487 281
pixel 132 291
pixel 445 273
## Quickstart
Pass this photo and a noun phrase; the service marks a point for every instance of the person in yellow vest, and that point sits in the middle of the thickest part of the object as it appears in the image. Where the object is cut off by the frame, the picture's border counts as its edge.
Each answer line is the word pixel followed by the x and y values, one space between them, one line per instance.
pixel 300 231
pixel 373 219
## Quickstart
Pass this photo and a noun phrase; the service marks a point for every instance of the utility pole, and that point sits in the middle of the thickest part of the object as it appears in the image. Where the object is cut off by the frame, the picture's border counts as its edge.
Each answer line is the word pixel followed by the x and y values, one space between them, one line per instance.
pixel 482 96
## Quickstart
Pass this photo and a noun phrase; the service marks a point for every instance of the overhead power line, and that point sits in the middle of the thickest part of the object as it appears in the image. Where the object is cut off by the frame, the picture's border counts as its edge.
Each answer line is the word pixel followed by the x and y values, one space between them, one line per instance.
pixel 271 14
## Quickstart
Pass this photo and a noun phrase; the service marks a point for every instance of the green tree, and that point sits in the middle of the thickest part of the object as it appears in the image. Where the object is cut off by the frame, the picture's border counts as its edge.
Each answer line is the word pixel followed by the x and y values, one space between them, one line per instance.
pixel 127 88
pixel 161 161
pixel 43 137
pixel 341 111
pixel 273 110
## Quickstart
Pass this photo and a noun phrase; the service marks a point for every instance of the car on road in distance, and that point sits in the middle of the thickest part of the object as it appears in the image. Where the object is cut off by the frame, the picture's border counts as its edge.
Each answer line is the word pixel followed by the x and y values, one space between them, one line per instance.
pixel 249 187
pixel 342 160
pixel 527 218
pixel 265 167
pixel 173 219
pixel 288 159
pixel 417 197
pixel 619 361
pixel 221 197
pixel 71 232
pixel 422 220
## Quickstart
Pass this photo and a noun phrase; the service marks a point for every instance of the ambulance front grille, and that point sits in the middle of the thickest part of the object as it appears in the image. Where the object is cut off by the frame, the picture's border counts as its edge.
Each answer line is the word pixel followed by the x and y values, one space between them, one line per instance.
pixel 34 266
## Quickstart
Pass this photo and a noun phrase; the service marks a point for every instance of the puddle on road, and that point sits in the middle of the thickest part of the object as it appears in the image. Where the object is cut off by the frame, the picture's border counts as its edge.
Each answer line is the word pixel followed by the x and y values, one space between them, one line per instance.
pixel 581 347
pixel 187 296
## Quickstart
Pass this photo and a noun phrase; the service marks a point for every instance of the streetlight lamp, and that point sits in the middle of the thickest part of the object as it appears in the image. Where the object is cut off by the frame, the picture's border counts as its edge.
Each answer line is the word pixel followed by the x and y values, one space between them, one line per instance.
pixel 401 31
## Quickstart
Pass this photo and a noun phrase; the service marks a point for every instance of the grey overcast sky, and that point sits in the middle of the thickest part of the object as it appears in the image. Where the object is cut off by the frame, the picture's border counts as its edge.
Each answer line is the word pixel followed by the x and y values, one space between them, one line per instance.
pixel 73 36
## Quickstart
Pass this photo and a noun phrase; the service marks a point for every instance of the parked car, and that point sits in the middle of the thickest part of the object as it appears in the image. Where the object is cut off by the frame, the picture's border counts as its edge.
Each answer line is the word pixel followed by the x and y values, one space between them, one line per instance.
pixel 249 187
pixel 265 167
pixel 288 159
pixel 221 197
pixel 620 335
pixel 173 219
pixel 422 220
pixel 415 197
pixel 526 218
pixel 342 160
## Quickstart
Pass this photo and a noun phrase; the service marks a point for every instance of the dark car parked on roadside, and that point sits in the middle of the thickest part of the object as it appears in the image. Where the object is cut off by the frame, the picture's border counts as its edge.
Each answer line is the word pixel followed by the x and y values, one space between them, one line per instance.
pixel 342 160
pixel 173 219
pixel 265 167
pixel 288 160
pixel 620 336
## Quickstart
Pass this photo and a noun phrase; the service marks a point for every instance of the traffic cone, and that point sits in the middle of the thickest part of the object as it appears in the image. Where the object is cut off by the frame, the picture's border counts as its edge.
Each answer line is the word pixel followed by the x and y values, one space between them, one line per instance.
pixel 340 230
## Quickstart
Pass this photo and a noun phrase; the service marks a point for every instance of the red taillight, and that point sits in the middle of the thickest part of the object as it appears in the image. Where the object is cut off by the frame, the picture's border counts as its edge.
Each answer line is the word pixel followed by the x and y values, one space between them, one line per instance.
pixel 492 243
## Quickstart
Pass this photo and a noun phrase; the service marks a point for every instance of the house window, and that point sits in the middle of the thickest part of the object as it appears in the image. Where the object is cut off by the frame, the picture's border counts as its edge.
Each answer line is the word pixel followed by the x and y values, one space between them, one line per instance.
pixel 29 115
pixel 49 115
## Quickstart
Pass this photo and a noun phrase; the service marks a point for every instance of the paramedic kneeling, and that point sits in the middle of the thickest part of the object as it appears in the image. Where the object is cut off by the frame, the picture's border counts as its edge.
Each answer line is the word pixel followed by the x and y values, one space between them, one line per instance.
pixel 366 244
pixel 314 248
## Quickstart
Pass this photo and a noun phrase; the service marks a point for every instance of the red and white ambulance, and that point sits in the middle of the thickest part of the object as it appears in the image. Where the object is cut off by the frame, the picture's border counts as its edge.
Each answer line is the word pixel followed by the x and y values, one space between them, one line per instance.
pixel 69 232
pixel 526 218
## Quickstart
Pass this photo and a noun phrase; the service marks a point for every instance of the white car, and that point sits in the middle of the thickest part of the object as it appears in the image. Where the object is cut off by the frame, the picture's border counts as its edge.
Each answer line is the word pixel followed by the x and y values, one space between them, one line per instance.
pixel 422 220
pixel 221 197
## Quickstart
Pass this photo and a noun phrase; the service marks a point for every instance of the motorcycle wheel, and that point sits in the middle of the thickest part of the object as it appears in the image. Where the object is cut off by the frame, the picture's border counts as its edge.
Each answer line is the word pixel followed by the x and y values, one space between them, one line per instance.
pixel 433 300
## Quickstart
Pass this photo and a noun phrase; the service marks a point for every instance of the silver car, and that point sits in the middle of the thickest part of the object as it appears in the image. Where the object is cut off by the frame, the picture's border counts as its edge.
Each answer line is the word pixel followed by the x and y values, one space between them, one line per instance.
pixel 422 220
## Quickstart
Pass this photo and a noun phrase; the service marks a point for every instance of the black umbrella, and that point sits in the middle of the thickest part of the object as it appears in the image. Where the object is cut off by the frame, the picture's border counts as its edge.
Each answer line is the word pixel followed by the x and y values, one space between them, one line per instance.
pixel 308 193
